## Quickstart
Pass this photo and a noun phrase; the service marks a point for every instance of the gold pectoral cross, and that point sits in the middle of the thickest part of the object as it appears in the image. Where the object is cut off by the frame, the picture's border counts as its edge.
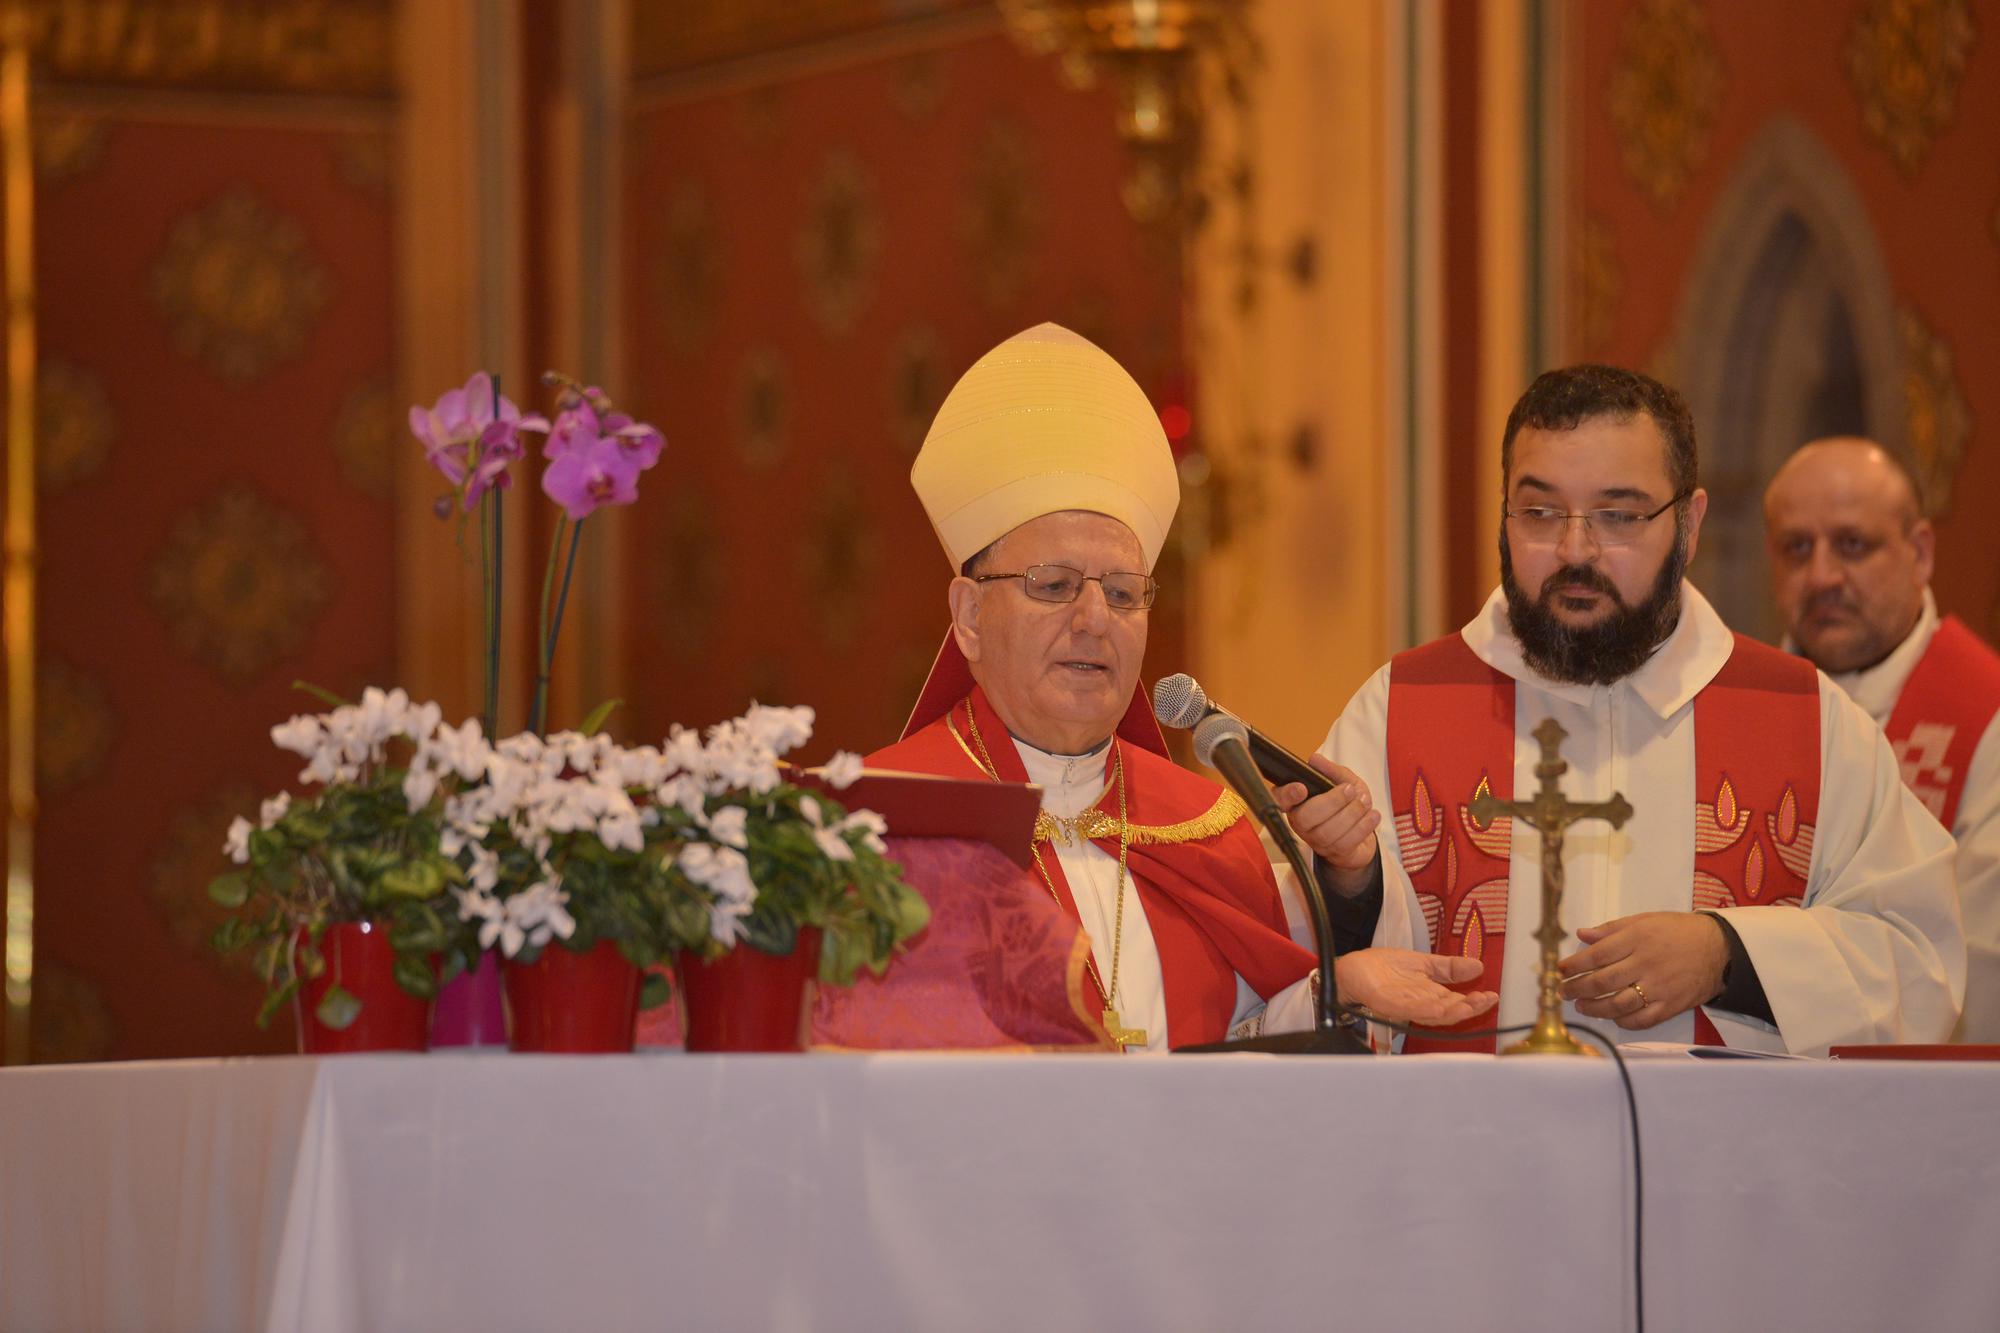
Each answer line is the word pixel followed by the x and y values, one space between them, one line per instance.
pixel 1115 1027
pixel 1550 814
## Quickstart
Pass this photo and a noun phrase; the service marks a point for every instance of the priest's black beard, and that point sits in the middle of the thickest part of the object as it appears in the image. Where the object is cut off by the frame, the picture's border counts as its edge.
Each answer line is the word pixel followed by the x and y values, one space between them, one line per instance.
pixel 1609 650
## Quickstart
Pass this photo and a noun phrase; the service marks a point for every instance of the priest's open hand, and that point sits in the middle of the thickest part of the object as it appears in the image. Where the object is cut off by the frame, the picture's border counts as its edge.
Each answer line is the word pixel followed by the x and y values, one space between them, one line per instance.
pixel 1405 986
pixel 1339 825
pixel 1644 969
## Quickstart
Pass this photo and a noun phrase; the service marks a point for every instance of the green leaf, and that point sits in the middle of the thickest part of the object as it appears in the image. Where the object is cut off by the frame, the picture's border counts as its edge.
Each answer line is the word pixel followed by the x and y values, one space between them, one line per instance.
pixel 325 696
pixel 597 717
pixel 419 930
pixel 655 992
pixel 771 934
pixel 415 976
pixel 337 1009
pixel 275 1001
pixel 230 890
pixel 413 879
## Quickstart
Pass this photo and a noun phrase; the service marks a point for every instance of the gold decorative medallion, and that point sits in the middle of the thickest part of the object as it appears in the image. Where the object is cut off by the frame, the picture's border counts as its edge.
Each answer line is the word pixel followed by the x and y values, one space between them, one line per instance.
pixel 74 425
pixel 365 433
pixel 839 243
pixel 239 584
pixel 690 269
pixel 71 1022
pixel 67 147
pixel 1002 219
pixel 1665 89
pixel 1939 421
pixel 1600 283
pixel 918 381
pixel 189 857
pixel 840 558
pixel 238 286
pixel 74 727
pixel 1906 62
pixel 763 409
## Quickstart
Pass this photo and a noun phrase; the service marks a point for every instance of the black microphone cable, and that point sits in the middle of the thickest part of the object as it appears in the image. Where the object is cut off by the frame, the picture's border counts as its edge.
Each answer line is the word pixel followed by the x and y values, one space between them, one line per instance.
pixel 1632 1119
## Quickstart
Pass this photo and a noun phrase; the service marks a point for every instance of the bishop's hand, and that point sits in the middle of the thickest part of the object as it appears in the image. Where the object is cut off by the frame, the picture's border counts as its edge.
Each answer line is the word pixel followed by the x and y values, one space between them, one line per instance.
pixel 1405 986
pixel 1339 825
pixel 1642 970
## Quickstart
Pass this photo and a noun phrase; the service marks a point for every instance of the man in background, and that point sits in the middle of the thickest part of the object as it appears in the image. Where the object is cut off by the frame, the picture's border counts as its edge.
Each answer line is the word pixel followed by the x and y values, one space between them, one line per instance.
pixel 1851 559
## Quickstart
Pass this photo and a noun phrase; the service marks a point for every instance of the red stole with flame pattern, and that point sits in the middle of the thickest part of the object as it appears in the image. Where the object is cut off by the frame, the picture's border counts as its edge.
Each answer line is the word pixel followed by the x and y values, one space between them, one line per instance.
pixel 1944 709
pixel 1451 733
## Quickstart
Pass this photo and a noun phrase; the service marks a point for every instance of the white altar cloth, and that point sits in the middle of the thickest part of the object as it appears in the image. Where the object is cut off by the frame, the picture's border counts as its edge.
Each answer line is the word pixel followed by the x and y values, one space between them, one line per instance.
pixel 492 1192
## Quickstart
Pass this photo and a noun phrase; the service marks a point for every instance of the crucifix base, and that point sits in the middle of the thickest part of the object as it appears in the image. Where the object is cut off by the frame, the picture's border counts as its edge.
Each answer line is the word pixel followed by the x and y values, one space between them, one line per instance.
pixel 1550 1037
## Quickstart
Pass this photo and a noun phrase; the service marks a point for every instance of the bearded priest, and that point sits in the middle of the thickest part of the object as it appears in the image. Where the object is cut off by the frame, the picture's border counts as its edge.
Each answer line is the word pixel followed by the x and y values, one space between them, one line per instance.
pixel 1776 888
pixel 1051 486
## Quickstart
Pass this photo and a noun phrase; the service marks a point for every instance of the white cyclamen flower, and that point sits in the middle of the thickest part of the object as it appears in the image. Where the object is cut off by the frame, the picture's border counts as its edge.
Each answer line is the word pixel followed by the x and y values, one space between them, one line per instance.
pixel 728 827
pixel 237 844
pixel 301 735
pixel 463 750
pixel 831 845
pixel 419 784
pixel 842 769
pixel 274 809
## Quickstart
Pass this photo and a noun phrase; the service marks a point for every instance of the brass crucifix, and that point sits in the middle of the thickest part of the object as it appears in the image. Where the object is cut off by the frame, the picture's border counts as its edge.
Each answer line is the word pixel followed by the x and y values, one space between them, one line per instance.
pixel 1550 814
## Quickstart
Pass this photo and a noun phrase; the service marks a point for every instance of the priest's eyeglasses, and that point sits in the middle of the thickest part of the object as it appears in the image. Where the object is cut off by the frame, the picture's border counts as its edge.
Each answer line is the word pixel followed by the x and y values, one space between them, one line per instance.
pixel 1544 525
pixel 1123 590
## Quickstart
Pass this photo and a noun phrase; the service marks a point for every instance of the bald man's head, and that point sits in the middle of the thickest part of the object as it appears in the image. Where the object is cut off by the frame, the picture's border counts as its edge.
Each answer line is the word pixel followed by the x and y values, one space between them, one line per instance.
pixel 1851 551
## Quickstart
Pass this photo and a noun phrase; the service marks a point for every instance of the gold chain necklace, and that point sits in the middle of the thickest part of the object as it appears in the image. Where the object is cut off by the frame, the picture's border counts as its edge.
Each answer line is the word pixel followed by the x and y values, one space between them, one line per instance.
pixel 1113 1024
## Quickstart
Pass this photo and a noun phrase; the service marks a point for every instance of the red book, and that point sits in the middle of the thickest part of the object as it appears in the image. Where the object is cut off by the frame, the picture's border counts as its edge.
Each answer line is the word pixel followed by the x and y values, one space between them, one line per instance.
pixel 917 805
pixel 1915 1051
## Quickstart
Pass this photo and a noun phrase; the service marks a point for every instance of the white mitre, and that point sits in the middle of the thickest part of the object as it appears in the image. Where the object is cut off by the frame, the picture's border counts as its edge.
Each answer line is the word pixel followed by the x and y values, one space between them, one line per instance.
pixel 1044 422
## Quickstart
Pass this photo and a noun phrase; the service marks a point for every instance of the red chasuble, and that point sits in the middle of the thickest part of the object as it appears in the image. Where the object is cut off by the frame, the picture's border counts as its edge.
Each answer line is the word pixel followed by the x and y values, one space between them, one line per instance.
pixel 1194 858
pixel 1451 733
pixel 1943 711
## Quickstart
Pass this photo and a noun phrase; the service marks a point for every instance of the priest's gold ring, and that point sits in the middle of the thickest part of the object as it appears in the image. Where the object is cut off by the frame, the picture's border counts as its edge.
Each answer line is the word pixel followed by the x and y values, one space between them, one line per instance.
pixel 1642 993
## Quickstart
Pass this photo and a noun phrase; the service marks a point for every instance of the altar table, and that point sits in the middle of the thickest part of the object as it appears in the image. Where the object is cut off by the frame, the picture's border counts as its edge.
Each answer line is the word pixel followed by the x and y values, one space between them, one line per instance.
pixel 903 1191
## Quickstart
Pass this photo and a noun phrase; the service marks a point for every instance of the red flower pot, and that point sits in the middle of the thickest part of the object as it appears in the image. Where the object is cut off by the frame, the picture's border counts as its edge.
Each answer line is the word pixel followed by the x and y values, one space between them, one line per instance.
pixel 575 1003
pixel 361 961
pixel 748 1000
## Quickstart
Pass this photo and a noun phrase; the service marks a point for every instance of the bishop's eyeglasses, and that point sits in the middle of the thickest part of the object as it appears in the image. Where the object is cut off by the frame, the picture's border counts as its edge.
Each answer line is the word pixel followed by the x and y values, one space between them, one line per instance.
pixel 1123 589
pixel 1544 525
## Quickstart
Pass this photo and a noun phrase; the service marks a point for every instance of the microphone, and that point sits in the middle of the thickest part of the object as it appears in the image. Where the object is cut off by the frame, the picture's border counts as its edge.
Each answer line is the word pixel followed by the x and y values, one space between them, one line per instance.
pixel 1180 701
pixel 1223 743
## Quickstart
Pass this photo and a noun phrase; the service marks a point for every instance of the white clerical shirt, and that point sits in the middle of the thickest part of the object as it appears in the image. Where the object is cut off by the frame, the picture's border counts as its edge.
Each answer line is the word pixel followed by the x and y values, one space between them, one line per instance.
pixel 1875 955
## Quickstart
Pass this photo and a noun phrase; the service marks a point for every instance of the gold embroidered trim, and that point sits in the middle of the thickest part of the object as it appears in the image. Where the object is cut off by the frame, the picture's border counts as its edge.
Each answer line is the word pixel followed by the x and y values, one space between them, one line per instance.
pixel 1093 824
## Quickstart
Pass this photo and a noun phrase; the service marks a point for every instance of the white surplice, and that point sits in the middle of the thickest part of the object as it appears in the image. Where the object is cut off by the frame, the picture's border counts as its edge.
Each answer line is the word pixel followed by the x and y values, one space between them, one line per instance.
pixel 1875 955
pixel 1976 827
pixel 1070 785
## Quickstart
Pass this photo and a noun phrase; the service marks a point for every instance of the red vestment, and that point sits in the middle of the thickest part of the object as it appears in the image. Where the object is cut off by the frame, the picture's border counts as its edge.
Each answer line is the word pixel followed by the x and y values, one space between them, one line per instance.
pixel 1195 861
pixel 1941 714
pixel 1451 732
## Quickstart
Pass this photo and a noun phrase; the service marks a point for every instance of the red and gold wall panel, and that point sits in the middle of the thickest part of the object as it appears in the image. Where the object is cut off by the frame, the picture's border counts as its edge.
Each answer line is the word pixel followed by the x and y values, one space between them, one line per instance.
pixel 1666 97
pixel 815 252
pixel 215 339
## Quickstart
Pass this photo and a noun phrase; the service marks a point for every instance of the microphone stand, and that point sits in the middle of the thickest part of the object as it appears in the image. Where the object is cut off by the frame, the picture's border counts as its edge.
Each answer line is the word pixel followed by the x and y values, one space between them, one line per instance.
pixel 1330 1035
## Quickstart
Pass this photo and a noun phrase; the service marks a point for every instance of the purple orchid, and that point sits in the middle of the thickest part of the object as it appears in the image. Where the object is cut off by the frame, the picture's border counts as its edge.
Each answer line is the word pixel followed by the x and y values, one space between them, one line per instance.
pixel 466 441
pixel 575 430
pixel 592 475
pixel 642 443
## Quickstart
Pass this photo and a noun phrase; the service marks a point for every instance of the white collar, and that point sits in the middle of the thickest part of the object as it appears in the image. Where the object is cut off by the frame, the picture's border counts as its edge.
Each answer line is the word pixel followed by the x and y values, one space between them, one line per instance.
pixel 1676 672
pixel 1069 782
pixel 1876 688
